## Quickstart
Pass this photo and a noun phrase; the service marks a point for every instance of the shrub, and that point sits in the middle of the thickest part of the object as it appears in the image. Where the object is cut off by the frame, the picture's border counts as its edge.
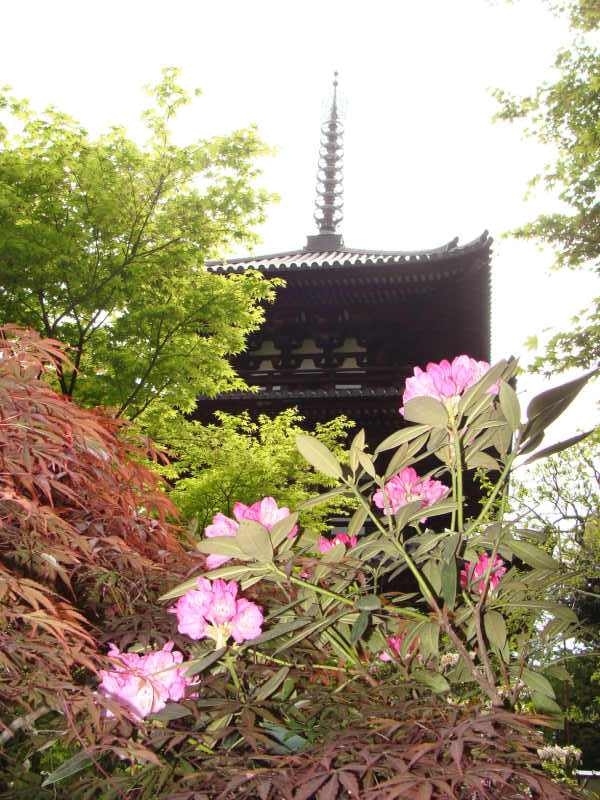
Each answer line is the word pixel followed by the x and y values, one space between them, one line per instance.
pixel 85 538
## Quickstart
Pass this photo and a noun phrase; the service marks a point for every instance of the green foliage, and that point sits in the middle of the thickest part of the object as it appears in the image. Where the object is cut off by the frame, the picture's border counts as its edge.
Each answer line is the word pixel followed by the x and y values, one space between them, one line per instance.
pixel 354 686
pixel 565 113
pixel 238 459
pixel 103 245
pixel 561 501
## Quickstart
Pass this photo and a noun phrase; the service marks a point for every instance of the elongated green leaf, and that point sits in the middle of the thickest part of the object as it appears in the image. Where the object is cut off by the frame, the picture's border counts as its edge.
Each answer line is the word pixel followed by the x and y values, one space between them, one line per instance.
pixel 532 442
pixel 404 455
pixel 69 767
pixel 358 443
pixel 481 442
pixel 220 545
pixel 475 393
pixel 558 395
pixel 279 630
pixel 400 437
pixel 236 571
pixel 172 711
pixel 406 513
pixel 495 628
pixel 429 634
pixel 282 529
pixel 537 683
pixel 443 507
pixel 253 541
pixel 360 626
pixel 449 583
pixel 307 631
pixel 434 680
pixel 482 461
pixel 357 521
pixel 532 555
pixel 557 448
pixel 323 498
pixel 450 545
pixel 179 590
pixel 197 665
pixel 367 464
pixel 426 411
pixel 546 705
pixel 433 572
pixel 509 403
pixel 270 686
pixel 318 455
pixel 369 602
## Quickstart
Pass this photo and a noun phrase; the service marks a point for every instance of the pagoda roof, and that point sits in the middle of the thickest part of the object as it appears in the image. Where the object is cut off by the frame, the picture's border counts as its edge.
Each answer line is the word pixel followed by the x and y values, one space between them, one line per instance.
pixel 351 258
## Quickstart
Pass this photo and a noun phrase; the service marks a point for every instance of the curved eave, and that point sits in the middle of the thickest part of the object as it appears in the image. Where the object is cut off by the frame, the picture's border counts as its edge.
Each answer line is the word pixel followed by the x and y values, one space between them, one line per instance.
pixel 364 393
pixel 352 258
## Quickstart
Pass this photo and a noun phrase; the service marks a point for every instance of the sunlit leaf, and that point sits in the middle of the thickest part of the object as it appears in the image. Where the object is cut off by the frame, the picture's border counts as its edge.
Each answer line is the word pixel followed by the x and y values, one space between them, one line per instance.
pixel 197 665
pixel 532 555
pixel 253 541
pixel 370 602
pixel 318 455
pixel 434 680
pixel 401 436
pixel 558 447
pixel 509 403
pixel 270 686
pixel 68 768
pixel 495 628
pixel 282 529
pixel 426 411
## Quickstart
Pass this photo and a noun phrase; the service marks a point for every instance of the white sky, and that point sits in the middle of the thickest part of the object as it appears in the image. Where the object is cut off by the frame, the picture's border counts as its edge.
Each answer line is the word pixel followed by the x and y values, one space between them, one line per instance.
pixel 423 160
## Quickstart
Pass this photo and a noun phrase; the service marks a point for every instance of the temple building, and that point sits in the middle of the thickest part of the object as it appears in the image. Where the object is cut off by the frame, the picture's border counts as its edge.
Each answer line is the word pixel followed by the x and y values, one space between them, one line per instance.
pixel 351 323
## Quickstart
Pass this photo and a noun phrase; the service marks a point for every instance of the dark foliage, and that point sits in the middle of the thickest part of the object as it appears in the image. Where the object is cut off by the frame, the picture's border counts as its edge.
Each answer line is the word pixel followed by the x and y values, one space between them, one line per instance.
pixel 84 535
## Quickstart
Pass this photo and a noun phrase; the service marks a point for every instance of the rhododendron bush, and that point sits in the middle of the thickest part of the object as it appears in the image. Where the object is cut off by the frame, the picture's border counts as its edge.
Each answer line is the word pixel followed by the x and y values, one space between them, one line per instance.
pixel 379 661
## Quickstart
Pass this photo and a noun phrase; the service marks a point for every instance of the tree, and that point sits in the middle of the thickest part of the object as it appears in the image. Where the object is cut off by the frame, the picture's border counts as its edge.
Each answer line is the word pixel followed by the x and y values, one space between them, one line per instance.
pixel 239 459
pixel 103 244
pixel 565 113
pixel 561 500
pixel 85 536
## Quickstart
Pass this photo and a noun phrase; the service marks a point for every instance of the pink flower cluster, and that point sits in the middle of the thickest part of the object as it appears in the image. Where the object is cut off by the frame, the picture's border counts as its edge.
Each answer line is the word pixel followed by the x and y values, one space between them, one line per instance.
pixel 406 487
pixel 446 380
pixel 395 646
pixel 213 611
pixel 472 575
pixel 144 683
pixel 264 511
pixel 325 545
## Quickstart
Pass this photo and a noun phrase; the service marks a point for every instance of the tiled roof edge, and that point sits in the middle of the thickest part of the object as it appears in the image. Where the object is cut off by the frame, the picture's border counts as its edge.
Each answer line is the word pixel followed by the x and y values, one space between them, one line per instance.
pixel 308 258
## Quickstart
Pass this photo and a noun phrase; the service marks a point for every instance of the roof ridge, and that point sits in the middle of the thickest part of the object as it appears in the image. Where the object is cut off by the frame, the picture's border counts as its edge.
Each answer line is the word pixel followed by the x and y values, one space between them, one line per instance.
pixel 311 255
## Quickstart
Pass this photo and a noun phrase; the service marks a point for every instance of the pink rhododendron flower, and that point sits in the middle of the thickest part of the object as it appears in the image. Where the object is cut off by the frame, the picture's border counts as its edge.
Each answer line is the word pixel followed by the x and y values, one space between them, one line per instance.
pixel 223 605
pixel 447 380
pixel 265 511
pixel 144 683
pixel 325 545
pixel 247 622
pixel 474 572
pixel 407 487
pixel 213 611
pixel 395 645
pixel 191 609
pixel 221 526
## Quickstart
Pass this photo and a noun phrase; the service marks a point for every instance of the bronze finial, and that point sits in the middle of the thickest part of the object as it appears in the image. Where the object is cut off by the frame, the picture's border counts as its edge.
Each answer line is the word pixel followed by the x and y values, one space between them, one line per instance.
pixel 329 202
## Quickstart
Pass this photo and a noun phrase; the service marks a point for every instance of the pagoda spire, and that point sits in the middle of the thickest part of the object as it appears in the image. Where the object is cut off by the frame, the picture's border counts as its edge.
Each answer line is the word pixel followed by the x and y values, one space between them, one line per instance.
pixel 329 201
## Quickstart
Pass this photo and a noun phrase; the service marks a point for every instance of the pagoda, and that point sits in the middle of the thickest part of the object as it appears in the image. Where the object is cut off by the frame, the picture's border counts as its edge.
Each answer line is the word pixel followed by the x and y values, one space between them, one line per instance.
pixel 350 324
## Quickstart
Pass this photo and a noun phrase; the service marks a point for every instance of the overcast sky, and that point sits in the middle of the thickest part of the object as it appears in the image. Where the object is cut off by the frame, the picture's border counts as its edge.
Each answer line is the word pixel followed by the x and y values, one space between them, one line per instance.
pixel 423 161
